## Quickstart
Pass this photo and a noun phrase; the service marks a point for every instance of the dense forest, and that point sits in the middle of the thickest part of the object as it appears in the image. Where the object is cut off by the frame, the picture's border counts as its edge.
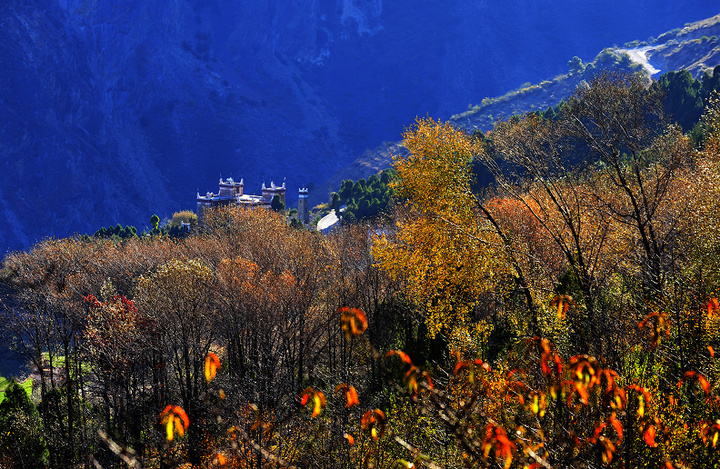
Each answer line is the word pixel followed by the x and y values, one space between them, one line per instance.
pixel 565 315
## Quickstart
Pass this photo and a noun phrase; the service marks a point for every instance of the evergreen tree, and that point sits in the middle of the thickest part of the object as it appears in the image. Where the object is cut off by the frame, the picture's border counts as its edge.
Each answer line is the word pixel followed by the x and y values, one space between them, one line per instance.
pixel 21 441
pixel 277 204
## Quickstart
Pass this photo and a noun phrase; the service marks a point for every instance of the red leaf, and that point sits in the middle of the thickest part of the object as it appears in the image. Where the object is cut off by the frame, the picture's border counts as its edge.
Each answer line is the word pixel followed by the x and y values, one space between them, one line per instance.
pixel 374 420
pixel 175 419
pixel 482 364
pixel 318 399
pixel 698 378
pixel 618 427
pixel 713 306
pixel 459 366
pixel 597 432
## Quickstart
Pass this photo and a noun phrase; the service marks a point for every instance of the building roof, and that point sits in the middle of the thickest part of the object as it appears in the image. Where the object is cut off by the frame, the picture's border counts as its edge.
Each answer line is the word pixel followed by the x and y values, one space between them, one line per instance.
pixel 328 221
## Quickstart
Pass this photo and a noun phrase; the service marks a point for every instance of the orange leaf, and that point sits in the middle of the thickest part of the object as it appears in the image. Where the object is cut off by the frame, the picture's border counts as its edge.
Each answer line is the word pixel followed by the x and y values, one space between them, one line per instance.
pixel 496 437
pixel 711 433
pixel 608 450
pixel 486 450
pixel 351 394
pixel 350 439
pixel 563 303
pixel 713 306
pixel 428 379
pixel 649 436
pixel 470 365
pixel 175 420
pixel 618 427
pixel 553 357
pixel 319 404
pixel 212 363
pixel 318 399
pixel 403 356
pixel 482 364
pixel 352 397
pixel 698 378
pixel 179 426
pixel 582 392
pixel 353 321
pixel 597 432
pixel 374 420
pixel 459 366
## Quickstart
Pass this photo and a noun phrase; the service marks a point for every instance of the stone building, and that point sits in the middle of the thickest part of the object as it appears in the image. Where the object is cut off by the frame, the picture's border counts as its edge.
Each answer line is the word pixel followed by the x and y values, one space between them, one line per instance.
pixel 303 206
pixel 231 192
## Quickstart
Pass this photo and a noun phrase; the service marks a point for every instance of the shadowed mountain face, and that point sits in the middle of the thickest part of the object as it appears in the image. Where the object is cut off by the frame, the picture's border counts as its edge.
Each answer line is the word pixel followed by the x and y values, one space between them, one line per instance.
pixel 112 111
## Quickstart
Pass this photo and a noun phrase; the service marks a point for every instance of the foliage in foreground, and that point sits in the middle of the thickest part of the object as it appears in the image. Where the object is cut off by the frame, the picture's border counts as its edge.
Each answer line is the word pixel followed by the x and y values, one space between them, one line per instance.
pixel 566 318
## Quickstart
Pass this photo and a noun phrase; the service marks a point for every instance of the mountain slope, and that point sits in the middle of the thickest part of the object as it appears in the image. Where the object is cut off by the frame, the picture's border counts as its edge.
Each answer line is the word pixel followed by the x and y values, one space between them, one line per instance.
pixel 112 111
pixel 695 48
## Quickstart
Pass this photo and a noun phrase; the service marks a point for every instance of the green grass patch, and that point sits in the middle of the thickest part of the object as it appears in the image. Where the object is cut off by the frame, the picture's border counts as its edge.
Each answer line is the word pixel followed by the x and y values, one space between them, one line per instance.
pixel 59 363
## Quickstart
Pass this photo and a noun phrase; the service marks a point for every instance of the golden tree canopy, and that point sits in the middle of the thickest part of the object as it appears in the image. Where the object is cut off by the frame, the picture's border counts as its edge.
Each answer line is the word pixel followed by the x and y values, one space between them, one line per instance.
pixel 441 247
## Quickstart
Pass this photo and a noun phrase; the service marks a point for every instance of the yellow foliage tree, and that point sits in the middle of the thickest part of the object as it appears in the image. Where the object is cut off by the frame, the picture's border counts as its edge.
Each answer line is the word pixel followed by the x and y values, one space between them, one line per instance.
pixel 443 250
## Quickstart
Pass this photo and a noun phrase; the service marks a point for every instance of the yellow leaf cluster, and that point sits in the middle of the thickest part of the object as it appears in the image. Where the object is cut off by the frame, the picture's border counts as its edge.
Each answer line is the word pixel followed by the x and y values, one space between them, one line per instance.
pixel 441 248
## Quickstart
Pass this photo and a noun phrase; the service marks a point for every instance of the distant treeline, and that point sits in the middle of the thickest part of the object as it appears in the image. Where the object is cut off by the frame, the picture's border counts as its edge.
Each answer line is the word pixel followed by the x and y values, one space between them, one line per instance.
pixel 178 226
pixel 684 98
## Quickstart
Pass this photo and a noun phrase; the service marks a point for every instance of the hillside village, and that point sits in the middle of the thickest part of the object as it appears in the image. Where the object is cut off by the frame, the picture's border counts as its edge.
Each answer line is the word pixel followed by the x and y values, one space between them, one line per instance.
pixel 232 193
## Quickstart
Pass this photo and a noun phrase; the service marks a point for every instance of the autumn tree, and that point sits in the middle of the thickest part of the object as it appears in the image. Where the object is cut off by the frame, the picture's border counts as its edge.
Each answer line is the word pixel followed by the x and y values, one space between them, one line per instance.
pixel 44 313
pixel 704 211
pixel 600 180
pixel 444 251
pixel 122 351
pixel 531 164
pixel 178 296
pixel 620 120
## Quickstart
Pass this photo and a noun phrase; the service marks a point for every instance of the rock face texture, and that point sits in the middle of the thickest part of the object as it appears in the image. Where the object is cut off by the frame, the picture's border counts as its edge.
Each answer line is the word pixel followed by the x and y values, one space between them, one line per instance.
pixel 111 111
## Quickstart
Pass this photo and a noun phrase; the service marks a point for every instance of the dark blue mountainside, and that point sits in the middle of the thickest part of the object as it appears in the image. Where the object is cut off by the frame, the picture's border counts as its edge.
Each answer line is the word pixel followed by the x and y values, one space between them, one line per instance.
pixel 111 111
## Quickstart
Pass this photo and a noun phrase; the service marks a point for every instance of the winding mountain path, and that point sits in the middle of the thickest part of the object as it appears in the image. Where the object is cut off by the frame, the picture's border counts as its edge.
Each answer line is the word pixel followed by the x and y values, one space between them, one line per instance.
pixel 639 56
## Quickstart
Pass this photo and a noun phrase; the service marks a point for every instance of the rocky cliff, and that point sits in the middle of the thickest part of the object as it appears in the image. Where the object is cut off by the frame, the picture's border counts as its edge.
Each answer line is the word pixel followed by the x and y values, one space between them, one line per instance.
pixel 111 111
